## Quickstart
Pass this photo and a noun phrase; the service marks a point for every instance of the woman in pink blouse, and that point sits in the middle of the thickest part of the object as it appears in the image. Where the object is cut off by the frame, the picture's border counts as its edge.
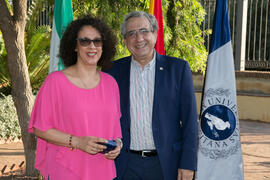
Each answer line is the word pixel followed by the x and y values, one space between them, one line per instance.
pixel 78 108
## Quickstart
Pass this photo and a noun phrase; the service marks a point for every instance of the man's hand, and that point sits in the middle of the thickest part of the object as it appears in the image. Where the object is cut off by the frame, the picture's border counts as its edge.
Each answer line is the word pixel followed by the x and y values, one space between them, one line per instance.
pixel 185 174
pixel 111 155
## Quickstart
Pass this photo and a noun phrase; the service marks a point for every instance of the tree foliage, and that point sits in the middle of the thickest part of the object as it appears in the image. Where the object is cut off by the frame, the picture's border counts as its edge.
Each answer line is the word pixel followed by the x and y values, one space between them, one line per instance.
pixel 9 125
pixel 184 19
pixel 37 44
pixel 4 73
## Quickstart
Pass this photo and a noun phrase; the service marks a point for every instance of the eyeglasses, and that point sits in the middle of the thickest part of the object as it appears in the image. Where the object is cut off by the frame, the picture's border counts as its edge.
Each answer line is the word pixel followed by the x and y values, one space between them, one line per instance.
pixel 86 42
pixel 133 33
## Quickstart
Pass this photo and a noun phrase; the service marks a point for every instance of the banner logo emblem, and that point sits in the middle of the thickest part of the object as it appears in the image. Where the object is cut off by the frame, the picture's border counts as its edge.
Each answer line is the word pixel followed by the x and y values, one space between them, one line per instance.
pixel 218 122
pixel 219 132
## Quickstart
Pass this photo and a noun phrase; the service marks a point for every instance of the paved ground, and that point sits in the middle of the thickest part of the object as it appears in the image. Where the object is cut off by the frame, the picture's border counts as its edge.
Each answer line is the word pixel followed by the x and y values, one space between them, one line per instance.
pixel 255 139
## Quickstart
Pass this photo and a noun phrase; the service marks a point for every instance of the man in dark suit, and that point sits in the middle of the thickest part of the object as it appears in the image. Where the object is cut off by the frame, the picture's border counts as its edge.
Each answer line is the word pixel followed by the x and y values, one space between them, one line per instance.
pixel 159 116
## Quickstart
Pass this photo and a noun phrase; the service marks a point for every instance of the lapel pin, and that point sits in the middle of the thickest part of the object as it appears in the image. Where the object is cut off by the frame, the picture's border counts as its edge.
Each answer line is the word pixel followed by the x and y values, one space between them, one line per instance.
pixel 161 68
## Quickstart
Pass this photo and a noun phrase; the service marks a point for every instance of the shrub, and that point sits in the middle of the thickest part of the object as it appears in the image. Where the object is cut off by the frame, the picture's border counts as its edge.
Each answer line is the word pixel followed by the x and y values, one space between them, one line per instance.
pixel 9 124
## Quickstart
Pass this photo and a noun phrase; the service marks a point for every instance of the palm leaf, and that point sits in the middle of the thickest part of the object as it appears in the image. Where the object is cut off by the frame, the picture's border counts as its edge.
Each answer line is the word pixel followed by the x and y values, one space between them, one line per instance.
pixel 37 44
pixel 37 54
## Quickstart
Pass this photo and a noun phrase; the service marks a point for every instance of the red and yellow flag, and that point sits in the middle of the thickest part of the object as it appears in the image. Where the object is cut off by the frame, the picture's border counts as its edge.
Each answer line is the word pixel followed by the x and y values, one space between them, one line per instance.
pixel 155 8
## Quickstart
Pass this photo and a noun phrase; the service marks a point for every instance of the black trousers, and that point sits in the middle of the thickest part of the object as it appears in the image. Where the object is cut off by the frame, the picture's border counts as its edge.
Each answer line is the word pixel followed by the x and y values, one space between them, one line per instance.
pixel 143 168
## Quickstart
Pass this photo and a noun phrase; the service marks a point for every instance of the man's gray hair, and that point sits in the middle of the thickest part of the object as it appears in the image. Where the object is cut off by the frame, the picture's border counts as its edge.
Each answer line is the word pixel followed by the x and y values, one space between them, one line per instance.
pixel 151 18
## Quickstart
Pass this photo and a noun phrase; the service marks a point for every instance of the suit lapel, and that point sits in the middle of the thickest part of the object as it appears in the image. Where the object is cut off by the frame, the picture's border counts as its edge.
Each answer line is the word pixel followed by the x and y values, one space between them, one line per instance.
pixel 124 86
pixel 161 68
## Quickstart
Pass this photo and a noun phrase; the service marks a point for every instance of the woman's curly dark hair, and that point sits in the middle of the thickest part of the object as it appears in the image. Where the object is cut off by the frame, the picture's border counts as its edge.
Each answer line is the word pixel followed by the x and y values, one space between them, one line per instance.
pixel 68 42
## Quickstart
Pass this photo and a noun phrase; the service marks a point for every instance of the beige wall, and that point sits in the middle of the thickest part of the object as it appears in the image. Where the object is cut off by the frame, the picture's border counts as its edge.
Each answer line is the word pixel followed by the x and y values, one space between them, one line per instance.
pixel 253 94
pixel 249 107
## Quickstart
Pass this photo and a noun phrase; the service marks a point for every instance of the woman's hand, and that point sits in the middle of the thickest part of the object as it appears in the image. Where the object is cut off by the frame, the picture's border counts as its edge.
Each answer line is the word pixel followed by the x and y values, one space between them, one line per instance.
pixel 111 155
pixel 89 144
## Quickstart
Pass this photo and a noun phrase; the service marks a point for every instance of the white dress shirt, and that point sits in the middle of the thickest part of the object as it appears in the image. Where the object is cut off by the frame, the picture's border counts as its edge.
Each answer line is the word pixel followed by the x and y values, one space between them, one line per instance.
pixel 142 82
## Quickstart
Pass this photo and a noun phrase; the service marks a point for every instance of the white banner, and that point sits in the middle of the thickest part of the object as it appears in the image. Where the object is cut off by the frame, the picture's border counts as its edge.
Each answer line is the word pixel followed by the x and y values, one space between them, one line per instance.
pixel 220 155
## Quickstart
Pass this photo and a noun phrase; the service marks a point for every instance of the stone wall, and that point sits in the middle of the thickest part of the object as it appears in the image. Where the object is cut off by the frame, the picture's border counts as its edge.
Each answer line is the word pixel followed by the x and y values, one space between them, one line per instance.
pixel 253 94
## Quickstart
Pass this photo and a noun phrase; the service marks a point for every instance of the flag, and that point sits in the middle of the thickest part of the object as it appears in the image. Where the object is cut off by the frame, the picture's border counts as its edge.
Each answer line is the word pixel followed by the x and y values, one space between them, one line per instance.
pixel 219 154
pixel 62 16
pixel 155 8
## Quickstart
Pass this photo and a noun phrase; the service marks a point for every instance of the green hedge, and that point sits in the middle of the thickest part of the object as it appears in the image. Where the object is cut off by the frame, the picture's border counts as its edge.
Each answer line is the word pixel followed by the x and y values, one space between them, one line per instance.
pixel 9 124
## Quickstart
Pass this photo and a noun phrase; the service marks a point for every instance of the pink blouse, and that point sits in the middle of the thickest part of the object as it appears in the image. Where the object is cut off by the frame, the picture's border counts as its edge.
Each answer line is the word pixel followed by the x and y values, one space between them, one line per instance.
pixel 81 112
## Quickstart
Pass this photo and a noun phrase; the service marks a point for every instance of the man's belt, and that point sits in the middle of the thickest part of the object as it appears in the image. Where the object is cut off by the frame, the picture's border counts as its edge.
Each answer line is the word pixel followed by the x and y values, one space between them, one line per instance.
pixel 144 153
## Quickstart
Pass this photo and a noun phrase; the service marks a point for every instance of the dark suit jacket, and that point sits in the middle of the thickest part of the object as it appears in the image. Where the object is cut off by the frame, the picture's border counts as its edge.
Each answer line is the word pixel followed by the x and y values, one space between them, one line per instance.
pixel 174 123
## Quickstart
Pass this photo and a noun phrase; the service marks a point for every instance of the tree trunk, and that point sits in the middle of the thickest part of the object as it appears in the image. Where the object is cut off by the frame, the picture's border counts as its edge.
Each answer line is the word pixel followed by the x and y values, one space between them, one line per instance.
pixel 22 95
pixel 12 28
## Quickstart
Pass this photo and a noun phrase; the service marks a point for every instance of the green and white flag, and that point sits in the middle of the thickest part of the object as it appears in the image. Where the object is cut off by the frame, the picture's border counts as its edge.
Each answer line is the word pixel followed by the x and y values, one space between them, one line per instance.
pixel 63 15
